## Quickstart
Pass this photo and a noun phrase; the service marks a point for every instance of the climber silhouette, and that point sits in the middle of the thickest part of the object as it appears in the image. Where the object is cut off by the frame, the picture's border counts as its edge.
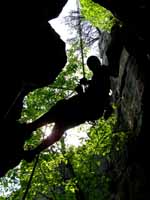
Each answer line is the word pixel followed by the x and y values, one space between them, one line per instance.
pixel 87 105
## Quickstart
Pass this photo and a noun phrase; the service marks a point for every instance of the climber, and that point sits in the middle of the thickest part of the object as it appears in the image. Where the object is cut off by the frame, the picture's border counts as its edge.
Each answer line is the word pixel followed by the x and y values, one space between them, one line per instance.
pixel 87 105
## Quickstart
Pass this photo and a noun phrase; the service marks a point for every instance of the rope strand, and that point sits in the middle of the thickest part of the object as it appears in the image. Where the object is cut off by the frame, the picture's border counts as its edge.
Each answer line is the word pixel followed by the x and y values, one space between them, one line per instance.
pixel 80 36
pixel 30 179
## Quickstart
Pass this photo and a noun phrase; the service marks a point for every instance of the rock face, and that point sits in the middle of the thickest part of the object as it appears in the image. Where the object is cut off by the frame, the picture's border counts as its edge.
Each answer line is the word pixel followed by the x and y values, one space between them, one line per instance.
pixel 134 16
pixel 32 55
pixel 131 94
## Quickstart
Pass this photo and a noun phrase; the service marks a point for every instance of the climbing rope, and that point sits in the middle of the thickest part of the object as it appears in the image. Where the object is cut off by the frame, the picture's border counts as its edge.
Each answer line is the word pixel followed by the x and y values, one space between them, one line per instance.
pixel 30 179
pixel 13 103
pixel 82 61
pixel 80 37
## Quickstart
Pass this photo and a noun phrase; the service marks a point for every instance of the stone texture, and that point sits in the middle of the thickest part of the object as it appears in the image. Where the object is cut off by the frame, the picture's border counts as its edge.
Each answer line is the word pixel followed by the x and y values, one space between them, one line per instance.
pixel 131 96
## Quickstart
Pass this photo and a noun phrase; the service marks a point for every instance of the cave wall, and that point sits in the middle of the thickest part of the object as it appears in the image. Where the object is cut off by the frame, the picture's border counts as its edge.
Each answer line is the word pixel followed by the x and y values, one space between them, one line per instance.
pixel 32 55
pixel 130 88
pixel 131 97
pixel 128 95
pixel 128 91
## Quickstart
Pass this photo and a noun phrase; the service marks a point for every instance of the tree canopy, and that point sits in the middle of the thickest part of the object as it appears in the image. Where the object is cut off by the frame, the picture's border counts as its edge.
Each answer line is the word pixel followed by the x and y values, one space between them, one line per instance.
pixel 97 15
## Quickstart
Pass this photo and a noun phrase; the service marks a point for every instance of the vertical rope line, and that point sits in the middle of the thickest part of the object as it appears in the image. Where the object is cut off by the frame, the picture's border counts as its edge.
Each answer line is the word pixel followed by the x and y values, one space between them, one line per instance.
pixel 13 103
pixel 30 179
pixel 80 37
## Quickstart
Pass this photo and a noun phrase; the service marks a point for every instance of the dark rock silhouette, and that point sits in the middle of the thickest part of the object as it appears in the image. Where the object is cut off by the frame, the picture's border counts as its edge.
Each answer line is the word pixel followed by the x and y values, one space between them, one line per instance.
pixel 134 15
pixel 132 92
pixel 32 55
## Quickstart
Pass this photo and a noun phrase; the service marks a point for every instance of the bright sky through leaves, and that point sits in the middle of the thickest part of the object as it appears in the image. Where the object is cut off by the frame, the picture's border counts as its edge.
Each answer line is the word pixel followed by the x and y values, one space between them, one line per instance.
pixel 58 23
pixel 73 135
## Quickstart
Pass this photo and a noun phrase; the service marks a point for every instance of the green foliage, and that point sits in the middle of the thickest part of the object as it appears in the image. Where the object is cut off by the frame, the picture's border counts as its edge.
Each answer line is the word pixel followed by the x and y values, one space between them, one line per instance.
pixel 91 162
pixel 97 15
pixel 61 173
pixel 65 173
pixel 41 100
pixel 9 184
